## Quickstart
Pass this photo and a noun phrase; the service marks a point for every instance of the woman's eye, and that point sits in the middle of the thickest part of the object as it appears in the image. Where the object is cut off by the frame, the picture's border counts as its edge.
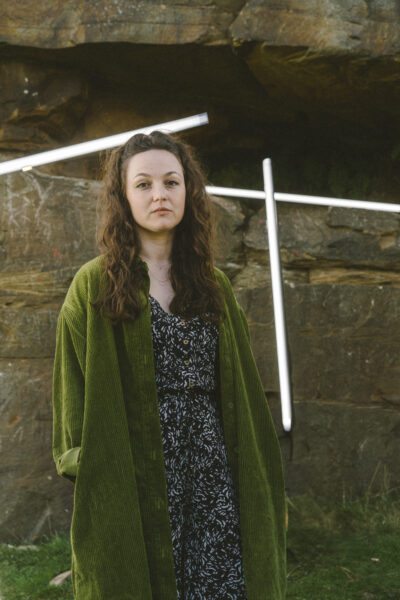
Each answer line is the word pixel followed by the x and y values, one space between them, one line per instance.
pixel 172 182
pixel 142 184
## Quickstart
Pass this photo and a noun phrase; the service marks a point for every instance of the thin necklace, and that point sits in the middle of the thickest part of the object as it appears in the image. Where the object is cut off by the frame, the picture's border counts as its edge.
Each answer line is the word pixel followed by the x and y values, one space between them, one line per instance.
pixel 162 281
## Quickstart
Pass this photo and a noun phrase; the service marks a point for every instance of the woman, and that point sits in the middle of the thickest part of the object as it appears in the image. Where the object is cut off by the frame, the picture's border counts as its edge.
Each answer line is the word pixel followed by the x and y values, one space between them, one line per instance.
pixel 160 419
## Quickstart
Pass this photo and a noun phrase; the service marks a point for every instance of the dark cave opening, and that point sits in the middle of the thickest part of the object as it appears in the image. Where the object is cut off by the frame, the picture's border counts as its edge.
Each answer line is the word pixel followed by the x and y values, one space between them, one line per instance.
pixel 330 123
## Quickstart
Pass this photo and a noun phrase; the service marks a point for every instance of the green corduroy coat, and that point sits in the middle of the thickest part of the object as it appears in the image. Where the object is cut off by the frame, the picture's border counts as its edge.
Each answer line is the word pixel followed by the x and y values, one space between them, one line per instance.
pixel 107 440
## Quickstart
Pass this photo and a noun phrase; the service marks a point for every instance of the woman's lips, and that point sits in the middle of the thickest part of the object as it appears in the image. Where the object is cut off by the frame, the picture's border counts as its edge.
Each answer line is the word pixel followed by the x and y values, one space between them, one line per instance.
pixel 161 210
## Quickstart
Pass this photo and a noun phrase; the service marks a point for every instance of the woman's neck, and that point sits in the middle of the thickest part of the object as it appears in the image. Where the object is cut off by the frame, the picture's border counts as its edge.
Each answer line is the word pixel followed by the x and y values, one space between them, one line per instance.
pixel 156 251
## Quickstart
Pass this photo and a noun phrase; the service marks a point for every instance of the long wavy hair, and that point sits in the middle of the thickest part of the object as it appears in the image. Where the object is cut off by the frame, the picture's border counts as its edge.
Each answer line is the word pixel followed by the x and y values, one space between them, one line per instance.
pixel 192 264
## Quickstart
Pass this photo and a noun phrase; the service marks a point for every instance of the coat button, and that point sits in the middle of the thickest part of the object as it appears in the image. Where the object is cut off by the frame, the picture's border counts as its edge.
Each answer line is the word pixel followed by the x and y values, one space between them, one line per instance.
pixel 185 342
pixel 191 383
pixel 187 362
pixel 181 322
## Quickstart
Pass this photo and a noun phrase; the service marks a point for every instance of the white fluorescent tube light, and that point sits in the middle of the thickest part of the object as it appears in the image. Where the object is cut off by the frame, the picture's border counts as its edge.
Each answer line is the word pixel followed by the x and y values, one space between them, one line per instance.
pixel 300 199
pixel 27 162
pixel 277 296
pixel 270 197
pixel 235 192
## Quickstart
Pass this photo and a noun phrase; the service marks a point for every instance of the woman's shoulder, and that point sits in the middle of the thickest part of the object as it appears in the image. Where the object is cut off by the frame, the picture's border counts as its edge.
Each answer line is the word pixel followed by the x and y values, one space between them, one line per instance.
pixel 91 268
pixel 224 282
pixel 234 308
pixel 220 276
pixel 85 284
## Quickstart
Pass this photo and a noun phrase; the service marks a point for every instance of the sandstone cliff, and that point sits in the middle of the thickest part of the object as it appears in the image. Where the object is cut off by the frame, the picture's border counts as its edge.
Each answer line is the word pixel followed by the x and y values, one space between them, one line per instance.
pixel 315 86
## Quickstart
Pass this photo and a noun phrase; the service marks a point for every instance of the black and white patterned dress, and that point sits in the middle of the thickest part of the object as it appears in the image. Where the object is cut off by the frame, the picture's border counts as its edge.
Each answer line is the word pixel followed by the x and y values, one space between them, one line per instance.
pixel 203 507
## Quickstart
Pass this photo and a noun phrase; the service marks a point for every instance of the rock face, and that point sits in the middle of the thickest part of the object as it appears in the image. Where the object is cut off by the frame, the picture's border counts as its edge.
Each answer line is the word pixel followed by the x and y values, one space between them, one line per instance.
pixel 313 85
pixel 49 105
pixel 356 26
pixel 296 80
pixel 47 226
pixel 341 290
pixel 343 336
pixel 63 25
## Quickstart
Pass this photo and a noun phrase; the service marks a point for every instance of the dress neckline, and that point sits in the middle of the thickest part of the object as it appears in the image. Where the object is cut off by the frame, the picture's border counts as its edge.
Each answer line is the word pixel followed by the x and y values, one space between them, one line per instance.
pixel 171 315
pixel 161 308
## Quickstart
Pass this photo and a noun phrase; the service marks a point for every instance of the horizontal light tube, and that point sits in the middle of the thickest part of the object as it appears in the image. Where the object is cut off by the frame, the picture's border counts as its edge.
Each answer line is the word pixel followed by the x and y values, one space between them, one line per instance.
pixel 300 199
pixel 26 163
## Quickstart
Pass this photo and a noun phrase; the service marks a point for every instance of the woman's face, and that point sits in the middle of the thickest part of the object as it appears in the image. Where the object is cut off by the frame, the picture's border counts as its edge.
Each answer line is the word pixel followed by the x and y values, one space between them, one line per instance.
pixel 155 189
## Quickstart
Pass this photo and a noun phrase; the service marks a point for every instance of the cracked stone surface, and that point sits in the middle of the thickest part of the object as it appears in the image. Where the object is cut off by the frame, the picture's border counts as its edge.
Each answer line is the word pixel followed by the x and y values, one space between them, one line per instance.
pixel 316 87
pixel 359 25
pixel 343 337
pixel 146 22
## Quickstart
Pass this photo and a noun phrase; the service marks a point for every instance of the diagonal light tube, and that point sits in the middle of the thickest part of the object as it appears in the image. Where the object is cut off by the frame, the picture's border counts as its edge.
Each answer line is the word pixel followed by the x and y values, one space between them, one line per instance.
pixel 26 163
pixel 270 197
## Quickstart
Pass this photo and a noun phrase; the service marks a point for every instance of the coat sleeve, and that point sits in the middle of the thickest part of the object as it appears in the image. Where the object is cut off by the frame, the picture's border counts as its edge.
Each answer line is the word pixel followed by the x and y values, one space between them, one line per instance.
pixel 68 397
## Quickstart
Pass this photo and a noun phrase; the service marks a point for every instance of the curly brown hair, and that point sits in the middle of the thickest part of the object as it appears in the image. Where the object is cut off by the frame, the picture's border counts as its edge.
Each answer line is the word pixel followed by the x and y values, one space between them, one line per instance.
pixel 192 263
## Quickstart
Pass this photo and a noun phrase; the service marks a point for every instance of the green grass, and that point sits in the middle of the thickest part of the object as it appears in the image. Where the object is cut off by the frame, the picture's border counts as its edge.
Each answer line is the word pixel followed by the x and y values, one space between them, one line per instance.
pixel 344 551
pixel 25 573
pixel 336 551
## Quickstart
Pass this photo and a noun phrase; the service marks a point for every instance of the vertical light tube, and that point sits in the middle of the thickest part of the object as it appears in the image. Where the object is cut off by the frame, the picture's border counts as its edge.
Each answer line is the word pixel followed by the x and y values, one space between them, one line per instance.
pixel 277 295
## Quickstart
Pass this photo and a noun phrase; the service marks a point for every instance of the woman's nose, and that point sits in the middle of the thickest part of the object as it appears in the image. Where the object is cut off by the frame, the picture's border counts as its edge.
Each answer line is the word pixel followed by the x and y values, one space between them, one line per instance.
pixel 158 192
